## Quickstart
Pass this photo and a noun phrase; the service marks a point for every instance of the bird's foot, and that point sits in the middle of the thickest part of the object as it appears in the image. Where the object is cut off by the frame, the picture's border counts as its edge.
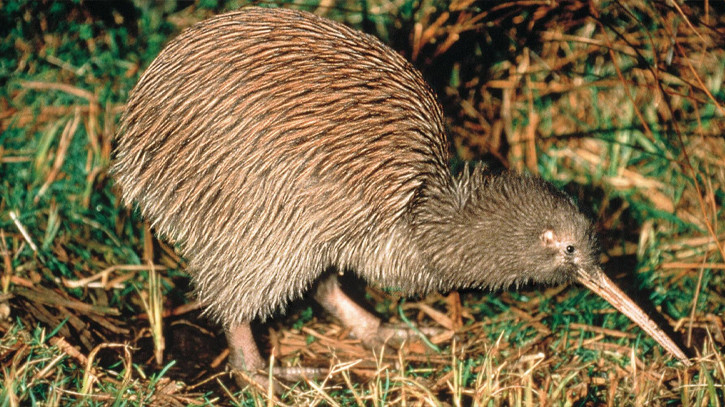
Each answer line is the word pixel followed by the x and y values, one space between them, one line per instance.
pixel 264 383
pixel 251 369
pixel 393 336
pixel 364 325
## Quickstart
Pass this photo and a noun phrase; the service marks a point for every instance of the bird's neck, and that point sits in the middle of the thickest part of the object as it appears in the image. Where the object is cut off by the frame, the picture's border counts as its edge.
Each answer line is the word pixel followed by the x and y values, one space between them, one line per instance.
pixel 458 248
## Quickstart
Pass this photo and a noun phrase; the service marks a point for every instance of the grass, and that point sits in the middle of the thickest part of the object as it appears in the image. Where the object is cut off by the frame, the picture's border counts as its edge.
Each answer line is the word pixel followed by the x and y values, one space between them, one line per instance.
pixel 620 104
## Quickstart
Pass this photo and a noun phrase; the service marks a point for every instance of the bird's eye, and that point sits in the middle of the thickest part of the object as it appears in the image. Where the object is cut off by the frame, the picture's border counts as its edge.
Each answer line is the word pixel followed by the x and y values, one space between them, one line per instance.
pixel 570 249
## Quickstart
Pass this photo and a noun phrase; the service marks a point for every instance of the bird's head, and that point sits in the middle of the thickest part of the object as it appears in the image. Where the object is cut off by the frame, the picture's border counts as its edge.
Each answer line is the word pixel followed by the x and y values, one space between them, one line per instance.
pixel 512 229
pixel 542 234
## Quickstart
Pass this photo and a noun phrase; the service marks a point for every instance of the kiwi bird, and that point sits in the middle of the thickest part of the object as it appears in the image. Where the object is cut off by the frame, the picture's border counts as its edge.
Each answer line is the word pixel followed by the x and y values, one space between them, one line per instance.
pixel 273 146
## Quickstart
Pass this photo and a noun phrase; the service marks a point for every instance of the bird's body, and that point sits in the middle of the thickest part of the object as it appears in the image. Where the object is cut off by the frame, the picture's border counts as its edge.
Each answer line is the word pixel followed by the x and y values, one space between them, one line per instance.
pixel 273 145
pixel 279 150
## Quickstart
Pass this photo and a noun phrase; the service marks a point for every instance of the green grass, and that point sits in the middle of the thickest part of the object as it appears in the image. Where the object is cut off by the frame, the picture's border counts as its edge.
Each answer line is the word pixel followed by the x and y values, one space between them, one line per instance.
pixel 620 104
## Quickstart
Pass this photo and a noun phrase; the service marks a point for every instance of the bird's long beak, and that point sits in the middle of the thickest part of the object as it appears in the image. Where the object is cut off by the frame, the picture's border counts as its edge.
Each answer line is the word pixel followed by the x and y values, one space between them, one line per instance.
pixel 598 282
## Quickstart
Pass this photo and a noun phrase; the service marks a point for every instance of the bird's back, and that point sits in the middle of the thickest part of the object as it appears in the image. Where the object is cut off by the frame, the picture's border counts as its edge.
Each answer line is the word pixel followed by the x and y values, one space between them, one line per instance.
pixel 271 144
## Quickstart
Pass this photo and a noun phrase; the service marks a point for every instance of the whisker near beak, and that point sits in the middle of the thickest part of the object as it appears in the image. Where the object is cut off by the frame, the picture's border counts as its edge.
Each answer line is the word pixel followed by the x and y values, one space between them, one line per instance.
pixel 598 282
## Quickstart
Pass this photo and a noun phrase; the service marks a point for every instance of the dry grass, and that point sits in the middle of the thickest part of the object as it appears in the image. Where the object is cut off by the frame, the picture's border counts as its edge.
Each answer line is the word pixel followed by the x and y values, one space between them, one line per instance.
pixel 621 104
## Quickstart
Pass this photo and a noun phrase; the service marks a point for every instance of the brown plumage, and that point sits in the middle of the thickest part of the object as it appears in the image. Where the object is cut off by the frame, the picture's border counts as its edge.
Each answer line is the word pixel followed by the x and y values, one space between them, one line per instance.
pixel 273 145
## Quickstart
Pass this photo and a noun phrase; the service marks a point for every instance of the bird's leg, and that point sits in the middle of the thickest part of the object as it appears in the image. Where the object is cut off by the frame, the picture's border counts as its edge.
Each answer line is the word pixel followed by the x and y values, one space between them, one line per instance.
pixel 244 358
pixel 364 325
pixel 244 355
